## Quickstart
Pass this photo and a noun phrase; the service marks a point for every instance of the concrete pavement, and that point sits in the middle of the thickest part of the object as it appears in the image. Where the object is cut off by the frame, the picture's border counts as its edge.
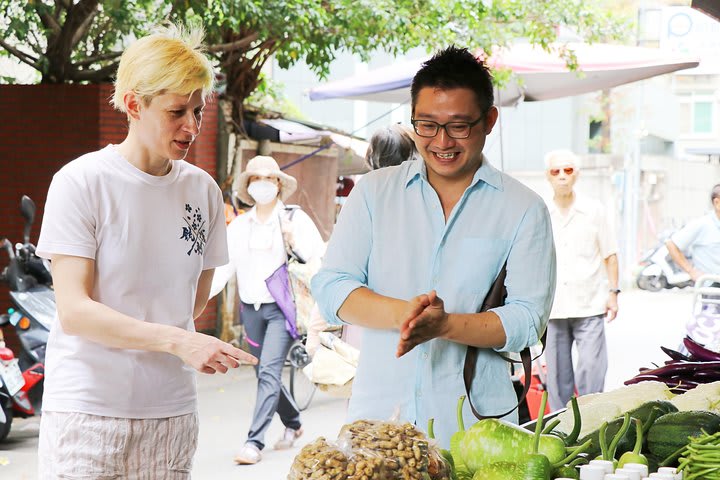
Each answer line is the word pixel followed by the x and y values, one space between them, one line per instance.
pixel 646 321
pixel 225 406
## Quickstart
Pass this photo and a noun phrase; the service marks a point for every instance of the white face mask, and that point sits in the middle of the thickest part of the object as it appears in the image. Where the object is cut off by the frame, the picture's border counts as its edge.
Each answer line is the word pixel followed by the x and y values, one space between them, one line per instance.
pixel 263 191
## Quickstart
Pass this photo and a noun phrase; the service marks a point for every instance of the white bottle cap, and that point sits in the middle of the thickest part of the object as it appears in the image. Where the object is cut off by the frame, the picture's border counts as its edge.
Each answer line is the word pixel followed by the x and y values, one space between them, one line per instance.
pixel 662 476
pixel 632 474
pixel 616 476
pixel 643 469
pixel 677 475
pixel 606 464
pixel 592 472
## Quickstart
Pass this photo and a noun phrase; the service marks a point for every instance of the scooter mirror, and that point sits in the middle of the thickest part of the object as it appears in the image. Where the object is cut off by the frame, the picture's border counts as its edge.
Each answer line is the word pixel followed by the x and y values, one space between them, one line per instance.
pixel 27 208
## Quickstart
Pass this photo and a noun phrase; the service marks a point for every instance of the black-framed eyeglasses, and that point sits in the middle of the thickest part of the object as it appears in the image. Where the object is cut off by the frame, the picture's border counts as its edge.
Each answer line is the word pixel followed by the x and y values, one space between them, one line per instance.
pixel 428 128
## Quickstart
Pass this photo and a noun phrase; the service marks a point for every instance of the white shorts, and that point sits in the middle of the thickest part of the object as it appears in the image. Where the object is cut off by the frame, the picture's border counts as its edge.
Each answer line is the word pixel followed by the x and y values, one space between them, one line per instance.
pixel 80 446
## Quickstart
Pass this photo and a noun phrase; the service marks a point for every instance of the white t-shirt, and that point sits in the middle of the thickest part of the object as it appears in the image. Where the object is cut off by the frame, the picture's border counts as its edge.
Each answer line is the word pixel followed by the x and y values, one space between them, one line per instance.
pixel 584 238
pixel 150 237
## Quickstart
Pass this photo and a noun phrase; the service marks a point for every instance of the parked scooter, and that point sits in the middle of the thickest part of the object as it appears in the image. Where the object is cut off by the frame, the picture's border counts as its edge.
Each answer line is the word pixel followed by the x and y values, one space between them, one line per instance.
pixel 660 271
pixel 16 387
pixel 28 277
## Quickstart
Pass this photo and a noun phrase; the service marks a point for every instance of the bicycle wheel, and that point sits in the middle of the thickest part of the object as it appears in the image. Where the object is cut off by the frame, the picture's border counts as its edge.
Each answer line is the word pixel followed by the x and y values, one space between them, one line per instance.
pixel 301 388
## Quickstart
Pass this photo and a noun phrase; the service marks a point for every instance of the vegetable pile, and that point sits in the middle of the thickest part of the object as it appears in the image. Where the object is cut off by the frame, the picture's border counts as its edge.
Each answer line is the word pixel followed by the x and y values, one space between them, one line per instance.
pixel 701 458
pixel 494 449
pixel 597 408
pixel 683 372
pixel 667 416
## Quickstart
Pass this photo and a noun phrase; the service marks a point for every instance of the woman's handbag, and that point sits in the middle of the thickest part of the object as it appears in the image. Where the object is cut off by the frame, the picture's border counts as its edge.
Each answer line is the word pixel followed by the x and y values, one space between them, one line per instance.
pixel 278 284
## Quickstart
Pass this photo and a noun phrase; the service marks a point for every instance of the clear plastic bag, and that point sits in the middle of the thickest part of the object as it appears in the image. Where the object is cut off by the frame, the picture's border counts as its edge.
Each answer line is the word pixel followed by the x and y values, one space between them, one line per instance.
pixel 372 450
pixel 319 460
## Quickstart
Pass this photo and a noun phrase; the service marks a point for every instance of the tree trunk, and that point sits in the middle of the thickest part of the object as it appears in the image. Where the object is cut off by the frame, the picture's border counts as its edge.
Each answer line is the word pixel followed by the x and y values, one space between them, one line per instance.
pixel 242 70
pixel 61 44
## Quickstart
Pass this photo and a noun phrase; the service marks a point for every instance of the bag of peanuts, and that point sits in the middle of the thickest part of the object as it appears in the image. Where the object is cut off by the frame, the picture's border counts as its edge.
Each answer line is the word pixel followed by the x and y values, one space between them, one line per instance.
pixel 372 450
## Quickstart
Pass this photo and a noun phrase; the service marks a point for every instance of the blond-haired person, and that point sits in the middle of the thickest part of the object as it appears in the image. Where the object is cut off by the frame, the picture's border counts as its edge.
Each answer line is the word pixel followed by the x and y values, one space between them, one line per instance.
pixel 587 284
pixel 134 234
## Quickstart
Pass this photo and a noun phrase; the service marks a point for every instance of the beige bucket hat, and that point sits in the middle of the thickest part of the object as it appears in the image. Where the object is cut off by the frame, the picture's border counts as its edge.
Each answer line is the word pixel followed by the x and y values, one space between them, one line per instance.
pixel 263 166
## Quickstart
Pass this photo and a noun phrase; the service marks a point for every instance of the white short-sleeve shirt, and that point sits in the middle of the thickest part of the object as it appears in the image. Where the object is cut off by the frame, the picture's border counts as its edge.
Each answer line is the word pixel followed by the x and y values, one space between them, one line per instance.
pixel 150 237
pixel 584 238
pixel 257 250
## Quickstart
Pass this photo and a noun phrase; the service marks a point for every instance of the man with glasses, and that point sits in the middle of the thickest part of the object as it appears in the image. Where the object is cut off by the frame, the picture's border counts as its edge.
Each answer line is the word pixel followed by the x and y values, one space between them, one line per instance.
pixel 417 247
pixel 587 285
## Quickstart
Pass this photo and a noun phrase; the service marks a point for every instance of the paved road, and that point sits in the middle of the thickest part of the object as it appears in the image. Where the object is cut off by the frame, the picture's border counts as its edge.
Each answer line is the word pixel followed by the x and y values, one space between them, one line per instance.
pixel 646 321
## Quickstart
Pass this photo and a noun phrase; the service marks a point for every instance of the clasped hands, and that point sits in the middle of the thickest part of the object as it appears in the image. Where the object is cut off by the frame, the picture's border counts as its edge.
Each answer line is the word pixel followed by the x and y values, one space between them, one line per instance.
pixel 424 319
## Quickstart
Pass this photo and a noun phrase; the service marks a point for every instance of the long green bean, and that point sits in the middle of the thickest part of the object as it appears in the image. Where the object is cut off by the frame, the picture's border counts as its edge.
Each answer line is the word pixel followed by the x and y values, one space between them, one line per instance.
pixel 701 458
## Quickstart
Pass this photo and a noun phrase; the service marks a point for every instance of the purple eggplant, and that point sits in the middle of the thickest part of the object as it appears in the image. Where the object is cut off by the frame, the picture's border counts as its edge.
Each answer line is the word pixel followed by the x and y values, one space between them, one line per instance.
pixel 700 352
pixel 707 376
pixel 643 378
pixel 674 354
pixel 680 368
pixel 681 383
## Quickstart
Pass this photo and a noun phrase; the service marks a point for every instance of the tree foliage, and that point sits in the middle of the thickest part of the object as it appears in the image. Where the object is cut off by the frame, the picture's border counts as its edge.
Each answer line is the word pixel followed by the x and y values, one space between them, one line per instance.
pixel 81 40
pixel 73 41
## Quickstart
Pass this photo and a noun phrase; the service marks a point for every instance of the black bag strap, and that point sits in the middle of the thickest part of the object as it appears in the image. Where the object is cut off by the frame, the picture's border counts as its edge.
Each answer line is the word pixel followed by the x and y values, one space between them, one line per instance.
pixel 496 298
pixel 290 210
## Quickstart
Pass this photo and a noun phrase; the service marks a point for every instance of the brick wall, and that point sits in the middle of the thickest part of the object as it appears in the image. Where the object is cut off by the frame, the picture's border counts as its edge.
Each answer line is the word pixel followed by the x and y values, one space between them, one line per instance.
pixel 46 126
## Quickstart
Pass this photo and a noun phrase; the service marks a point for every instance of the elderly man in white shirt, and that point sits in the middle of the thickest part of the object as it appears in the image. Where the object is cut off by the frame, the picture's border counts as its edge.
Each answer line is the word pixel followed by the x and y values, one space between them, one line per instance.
pixel 587 285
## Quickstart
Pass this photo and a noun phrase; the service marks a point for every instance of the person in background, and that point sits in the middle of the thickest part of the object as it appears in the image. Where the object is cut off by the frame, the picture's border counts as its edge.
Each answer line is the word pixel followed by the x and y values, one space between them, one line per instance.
pixel 257 244
pixel 416 249
pixel 703 236
pixel 587 284
pixel 390 146
pixel 134 234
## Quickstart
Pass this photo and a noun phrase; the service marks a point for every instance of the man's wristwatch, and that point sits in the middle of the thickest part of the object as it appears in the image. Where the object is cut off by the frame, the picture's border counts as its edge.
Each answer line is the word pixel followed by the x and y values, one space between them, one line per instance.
pixel 615 290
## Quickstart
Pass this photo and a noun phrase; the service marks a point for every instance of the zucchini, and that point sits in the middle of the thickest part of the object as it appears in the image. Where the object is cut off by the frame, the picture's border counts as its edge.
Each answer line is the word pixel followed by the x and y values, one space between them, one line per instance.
pixel 499 471
pixel 673 430
pixel 496 441
pixel 644 413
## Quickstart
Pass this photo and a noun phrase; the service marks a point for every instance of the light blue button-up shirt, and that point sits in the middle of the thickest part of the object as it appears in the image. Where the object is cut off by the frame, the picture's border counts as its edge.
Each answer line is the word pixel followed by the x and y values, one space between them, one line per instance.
pixel 392 237
pixel 703 235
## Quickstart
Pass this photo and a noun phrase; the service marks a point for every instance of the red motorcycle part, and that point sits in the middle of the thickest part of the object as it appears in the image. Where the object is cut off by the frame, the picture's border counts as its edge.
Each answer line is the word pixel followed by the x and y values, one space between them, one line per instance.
pixel 6 354
pixel 21 400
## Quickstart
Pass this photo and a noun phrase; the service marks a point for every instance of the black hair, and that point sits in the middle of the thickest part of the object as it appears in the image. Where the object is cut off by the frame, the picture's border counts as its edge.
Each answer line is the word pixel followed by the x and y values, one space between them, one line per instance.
pixel 389 146
pixel 715 192
pixel 455 68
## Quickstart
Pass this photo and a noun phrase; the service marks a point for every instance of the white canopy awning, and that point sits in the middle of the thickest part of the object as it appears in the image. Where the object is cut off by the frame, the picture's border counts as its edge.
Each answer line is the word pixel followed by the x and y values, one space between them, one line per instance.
pixel 539 75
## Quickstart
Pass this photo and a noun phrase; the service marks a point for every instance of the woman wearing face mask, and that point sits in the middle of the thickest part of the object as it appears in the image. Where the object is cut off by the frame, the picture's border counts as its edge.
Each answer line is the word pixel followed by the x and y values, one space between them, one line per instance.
pixel 255 244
